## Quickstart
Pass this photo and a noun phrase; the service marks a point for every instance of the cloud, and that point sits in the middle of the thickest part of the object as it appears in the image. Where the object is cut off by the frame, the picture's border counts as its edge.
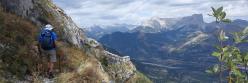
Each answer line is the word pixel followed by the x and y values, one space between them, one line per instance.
pixel 90 12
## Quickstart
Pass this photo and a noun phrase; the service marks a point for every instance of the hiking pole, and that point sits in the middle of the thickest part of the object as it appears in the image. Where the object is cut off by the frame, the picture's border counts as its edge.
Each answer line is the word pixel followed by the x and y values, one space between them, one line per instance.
pixel 40 54
pixel 59 54
pixel 59 57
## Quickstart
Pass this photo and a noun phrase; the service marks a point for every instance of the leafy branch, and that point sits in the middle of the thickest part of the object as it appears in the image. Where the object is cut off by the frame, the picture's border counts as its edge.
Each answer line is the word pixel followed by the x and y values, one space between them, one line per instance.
pixel 231 59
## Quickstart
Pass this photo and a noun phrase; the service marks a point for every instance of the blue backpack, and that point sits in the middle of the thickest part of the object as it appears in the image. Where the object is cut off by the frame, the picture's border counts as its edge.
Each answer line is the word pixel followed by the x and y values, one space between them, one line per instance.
pixel 46 40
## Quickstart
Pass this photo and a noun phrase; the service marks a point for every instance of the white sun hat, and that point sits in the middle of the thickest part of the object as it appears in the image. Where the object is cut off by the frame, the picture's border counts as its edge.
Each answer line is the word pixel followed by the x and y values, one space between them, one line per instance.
pixel 48 27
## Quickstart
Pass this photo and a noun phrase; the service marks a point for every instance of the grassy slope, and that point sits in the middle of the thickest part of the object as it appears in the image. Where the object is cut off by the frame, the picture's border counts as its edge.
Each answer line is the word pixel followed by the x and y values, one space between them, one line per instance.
pixel 20 55
pixel 17 40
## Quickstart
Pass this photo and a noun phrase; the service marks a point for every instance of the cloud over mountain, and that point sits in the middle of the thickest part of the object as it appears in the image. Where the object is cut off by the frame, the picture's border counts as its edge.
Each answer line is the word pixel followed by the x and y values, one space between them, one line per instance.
pixel 89 12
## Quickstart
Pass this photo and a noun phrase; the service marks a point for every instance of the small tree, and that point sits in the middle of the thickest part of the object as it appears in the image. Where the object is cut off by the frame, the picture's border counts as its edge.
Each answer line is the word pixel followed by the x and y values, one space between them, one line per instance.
pixel 231 59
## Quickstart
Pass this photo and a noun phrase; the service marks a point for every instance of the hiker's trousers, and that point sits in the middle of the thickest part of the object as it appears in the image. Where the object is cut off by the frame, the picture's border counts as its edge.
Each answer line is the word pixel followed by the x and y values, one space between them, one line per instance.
pixel 50 54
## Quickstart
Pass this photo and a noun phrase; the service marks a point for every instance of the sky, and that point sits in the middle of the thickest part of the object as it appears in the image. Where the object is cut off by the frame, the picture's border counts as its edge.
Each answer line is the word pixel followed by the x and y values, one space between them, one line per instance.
pixel 108 12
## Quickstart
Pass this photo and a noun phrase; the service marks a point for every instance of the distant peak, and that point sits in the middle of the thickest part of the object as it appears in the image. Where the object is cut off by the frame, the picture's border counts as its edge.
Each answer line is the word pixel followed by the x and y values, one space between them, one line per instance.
pixel 195 17
pixel 198 15
pixel 239 20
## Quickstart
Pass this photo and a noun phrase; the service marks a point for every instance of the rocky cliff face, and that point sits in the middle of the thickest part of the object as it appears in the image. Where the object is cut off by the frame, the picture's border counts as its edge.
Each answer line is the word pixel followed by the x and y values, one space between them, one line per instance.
pixel 36 10
pixel 118 68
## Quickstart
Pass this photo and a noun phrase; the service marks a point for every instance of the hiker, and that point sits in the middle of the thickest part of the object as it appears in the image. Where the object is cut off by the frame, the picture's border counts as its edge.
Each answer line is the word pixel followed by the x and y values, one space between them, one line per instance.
pixel 47 40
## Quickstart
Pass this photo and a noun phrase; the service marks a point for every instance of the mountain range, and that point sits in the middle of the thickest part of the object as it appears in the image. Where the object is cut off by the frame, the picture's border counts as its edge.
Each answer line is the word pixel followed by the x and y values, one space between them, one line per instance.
pixel 97 31
pixel 172 49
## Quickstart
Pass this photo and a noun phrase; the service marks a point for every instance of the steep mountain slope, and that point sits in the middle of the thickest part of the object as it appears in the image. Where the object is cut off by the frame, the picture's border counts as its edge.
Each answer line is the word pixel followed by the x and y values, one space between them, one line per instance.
pixel 179 53
pixel 81 59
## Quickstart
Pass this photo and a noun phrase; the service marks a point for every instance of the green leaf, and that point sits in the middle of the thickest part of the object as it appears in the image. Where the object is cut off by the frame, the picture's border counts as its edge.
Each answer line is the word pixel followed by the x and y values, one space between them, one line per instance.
pixel 236 72
pixel 214 12
pixel 213 70
pixel 209 71
pixel 245 31
pixel 216 54
pixel 246 56
pixel 222 36
pixel 216 68
pixel 219 10
pixel 226 48
pixel 237 38
pixel 213 9
pixel 230 63
pixel 222 15
pixel 226 20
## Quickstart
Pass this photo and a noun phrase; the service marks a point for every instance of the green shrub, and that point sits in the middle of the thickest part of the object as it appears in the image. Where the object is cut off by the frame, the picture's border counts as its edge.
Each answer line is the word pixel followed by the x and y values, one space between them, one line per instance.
pixel 230 56
pixel 104 61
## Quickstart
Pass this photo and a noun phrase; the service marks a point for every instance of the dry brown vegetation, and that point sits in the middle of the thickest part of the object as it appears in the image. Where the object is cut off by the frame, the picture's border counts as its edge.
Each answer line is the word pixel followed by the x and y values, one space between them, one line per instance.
pixel 17 39
pixel 84 68
pixel 19 56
